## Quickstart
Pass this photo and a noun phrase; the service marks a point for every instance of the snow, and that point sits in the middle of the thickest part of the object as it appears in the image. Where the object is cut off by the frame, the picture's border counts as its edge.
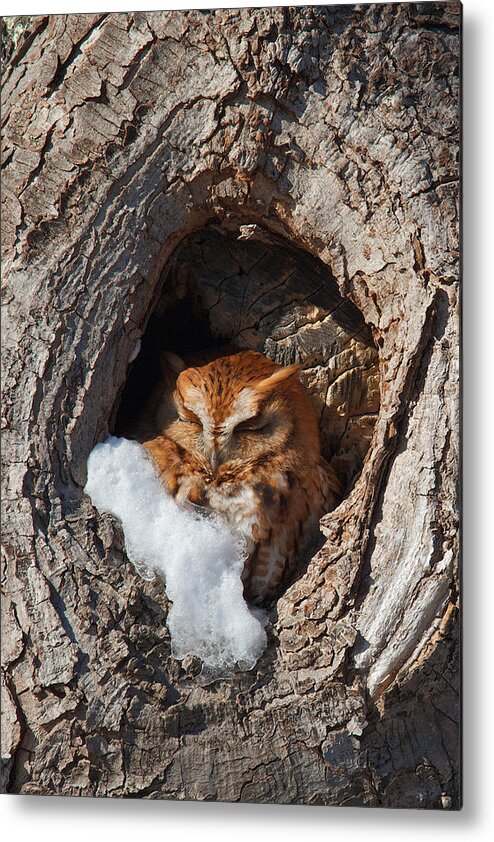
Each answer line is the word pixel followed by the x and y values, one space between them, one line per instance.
pixel 199 555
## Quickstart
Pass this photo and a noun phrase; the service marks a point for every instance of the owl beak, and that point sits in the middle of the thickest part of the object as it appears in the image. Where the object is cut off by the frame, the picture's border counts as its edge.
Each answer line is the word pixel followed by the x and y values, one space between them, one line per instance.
pixel 213 458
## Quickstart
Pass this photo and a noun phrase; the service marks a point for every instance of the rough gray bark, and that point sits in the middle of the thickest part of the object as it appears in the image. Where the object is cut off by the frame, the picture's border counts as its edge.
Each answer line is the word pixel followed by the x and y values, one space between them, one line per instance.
pixel 334 129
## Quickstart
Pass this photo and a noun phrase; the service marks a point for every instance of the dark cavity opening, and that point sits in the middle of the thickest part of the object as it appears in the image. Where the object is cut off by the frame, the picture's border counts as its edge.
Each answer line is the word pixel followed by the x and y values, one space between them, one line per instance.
pixel 220 289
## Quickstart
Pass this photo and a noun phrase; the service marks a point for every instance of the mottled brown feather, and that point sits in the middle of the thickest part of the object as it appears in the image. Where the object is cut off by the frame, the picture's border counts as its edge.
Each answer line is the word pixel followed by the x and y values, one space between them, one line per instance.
pixel 239 435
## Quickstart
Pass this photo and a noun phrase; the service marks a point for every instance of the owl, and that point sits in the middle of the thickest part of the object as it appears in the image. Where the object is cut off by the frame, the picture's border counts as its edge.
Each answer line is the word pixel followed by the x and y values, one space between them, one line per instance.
pixel 239 435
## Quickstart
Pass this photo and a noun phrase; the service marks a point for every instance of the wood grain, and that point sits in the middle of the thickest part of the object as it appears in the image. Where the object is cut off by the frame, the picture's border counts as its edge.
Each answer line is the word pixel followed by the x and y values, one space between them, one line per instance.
pixel 333 130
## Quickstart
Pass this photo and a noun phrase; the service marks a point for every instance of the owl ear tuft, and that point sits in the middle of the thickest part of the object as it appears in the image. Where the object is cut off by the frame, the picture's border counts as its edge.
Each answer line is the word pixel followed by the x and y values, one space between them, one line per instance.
pixel 281 375
pixel 186 381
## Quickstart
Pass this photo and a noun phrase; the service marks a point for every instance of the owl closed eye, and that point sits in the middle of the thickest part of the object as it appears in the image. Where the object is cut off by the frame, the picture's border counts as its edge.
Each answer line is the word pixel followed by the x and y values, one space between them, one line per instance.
pixel 239 435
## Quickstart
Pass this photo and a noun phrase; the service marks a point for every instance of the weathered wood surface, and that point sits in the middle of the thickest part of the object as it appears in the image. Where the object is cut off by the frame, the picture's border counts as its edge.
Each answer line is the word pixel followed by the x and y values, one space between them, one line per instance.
pixel 336 129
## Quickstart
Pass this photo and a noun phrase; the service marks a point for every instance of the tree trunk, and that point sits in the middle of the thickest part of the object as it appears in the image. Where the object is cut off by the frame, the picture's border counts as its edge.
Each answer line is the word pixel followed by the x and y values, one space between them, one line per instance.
pixel 330 130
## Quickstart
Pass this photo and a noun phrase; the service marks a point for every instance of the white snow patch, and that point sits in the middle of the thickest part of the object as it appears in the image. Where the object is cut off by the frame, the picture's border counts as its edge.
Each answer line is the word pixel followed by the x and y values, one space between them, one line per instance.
pixel 200 557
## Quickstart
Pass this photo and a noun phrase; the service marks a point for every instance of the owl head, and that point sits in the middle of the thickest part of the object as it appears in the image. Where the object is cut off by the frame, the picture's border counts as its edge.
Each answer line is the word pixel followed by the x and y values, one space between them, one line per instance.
pixel 238 409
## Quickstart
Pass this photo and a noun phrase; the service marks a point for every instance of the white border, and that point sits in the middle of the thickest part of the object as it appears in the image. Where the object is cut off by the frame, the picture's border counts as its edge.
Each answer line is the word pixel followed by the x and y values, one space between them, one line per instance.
pixel 41 819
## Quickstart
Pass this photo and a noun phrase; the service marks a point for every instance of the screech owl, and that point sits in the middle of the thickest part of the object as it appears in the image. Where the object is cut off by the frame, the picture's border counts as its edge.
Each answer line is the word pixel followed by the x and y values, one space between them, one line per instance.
pixel 239 435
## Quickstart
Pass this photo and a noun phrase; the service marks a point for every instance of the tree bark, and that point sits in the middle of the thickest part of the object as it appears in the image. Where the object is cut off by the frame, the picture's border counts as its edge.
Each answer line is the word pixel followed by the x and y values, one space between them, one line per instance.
pixel 335 130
